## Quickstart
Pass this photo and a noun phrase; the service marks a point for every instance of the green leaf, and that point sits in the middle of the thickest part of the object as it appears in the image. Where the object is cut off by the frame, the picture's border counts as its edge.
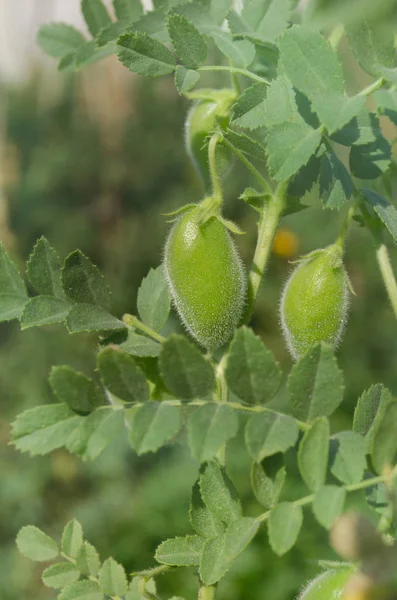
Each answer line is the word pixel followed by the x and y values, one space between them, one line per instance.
pixel 387 104
pixel 44 310
pixel 350 458
pixel 315 384
pixel 362 129
pixel 60 575
pixel 209 428
pixel 384 439
pixel 336 185
pixel 95 432
pixel 252 372
pixel 313 454
pixel 219 494
pixel 240 52
pixel 280 105
pixel 154 300
pixel 373 46
pixel 42 429
pixel 369 410
pixel 95 15
pixel 310 62
pixel 328 504
pixel 140 345
pixel 143 54
pixel 268 433
pixel 335 110
pixel 268 18
pixel 122 376
pixel 13 296
pixel 153 425
pixel 267 480
pixel 290 146
pixel 87 560
pixel 190 46
pixel 72 538
pixel 88 317
pixel 112 578
pixel 181 551
pixel 369 161
pixel 81 590
pixel 284 525
pixel 203 521
pixel 385 211
pixel 199 13
pixel 36 545
pixel 305 179
pixel 245 144
pixel 186 373
pixel 79 392
pixel 91 53
pixel 83 282
pixel 219 552
pixel 250 108
pixel 185 79
pixel 128 10
pixel 44 270
pixel 58 39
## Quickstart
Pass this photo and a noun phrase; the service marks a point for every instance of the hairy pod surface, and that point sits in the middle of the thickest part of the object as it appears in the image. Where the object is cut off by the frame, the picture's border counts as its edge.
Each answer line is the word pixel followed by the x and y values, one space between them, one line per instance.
pixel 328 586
pixel 200 121
pixel 315 301
pixel 206 278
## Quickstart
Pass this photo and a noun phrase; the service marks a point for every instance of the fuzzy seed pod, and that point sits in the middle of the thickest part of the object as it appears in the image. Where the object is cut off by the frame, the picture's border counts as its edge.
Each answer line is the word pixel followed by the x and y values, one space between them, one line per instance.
pixel 315 301
pixel 329 585
pixel 206 278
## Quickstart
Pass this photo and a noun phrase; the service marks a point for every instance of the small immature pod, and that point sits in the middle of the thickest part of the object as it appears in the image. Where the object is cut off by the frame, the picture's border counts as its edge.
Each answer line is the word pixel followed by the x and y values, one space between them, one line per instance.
pixel 201 120
pixel 315 301
pixel 206 278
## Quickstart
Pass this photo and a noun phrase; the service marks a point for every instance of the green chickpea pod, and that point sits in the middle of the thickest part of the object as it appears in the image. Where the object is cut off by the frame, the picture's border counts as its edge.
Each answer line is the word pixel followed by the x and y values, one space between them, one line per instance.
pixel 328 586
pixel 206 278
pixel 315 301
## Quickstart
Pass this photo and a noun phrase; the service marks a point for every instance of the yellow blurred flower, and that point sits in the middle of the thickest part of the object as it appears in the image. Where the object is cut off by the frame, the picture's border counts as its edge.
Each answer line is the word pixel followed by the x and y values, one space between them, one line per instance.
pixel 286 243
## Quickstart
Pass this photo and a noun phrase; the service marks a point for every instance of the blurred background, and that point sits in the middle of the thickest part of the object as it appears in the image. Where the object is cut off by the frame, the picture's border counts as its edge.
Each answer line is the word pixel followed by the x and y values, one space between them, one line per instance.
pixel 92 160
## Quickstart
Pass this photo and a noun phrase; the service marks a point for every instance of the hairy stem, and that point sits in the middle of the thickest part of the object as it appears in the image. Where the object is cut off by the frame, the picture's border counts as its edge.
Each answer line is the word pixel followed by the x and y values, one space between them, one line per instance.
pixel 354 487
pixel 386 270
pixel 342 236
pixel 267 228
pixel 132 321
pixel 336 36
pixel 215 179
pixel 372 88
pixel 206 593
pixel 247 163
pixel 236 70
pixel 236 405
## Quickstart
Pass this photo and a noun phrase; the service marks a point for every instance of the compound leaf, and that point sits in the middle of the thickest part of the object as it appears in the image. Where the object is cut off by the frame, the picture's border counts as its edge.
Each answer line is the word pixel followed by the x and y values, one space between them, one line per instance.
pixel 268 433
pixel 284 525
pixel 143 54
pixel 36 545
pixel 154 300
pixel 313 454
pixel 122 376
pixel 153 425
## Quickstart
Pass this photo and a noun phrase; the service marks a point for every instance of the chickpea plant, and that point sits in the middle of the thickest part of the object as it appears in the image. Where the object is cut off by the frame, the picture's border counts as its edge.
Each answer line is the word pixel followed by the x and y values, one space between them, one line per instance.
pixel 285 110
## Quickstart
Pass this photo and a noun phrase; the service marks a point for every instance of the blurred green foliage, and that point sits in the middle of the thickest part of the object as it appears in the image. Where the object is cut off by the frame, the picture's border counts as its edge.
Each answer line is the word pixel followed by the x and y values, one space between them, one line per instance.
pixel 104 189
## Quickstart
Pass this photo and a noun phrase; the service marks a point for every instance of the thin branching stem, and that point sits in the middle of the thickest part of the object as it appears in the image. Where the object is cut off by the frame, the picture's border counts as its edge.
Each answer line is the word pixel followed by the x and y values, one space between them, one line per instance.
pixel 134 323
pixel 236 70
pixel 386 269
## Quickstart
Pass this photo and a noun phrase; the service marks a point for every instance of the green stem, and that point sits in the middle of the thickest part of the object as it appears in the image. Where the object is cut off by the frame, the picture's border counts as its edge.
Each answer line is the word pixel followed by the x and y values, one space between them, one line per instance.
pixel 353 487
pixel 372 88
pixel 336 36
pixel 386 270
pixel 236 405
pixel 132 321
pixel 206 593
pixel 236 70
pixel 216 182
pixel 267 228
pixel 247 163
pixel 342 236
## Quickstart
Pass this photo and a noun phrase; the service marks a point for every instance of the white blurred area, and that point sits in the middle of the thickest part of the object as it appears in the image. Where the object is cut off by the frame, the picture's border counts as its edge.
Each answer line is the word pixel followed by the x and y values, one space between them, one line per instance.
pixel 19 22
